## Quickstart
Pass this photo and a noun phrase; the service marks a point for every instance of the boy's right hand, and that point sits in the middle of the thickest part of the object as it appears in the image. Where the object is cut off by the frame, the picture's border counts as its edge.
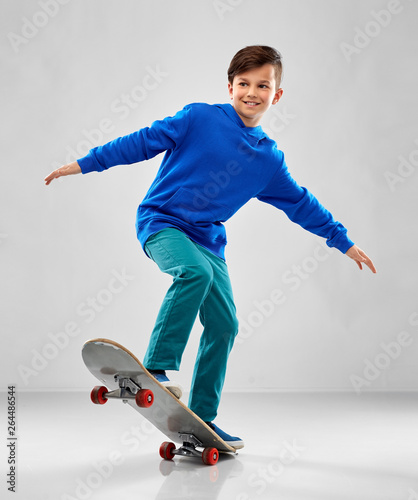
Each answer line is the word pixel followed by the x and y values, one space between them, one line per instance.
pixel 70 169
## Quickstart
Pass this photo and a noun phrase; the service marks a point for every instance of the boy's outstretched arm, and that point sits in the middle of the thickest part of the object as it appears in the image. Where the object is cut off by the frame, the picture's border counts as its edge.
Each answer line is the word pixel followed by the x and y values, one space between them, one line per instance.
pixel 70 169
pixel 360 257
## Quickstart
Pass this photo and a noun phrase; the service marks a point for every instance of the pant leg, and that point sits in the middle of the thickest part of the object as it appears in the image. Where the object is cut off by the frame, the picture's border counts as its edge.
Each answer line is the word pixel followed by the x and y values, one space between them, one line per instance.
pixel 218 317
pixel 200 284
pixel 177 255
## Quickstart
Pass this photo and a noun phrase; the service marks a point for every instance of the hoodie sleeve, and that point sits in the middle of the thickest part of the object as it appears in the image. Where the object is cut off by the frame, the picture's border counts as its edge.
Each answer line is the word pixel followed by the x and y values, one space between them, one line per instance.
pixel 303 208
pixel 141 145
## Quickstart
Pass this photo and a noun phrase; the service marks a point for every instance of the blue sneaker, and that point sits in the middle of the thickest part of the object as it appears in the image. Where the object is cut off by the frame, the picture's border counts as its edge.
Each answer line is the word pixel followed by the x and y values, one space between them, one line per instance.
pixel 235 442
pixel 162 378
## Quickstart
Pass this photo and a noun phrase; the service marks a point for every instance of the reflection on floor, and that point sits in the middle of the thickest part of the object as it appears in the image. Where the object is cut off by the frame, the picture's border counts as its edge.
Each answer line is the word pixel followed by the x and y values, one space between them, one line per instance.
pixel 298 446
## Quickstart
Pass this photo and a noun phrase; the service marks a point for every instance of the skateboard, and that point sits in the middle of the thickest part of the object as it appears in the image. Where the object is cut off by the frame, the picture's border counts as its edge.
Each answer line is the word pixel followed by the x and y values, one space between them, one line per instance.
pixel 125 378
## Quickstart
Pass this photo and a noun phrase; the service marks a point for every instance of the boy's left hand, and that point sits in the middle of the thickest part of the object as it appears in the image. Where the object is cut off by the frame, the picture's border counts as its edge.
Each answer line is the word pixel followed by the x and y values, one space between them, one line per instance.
pixel 360 257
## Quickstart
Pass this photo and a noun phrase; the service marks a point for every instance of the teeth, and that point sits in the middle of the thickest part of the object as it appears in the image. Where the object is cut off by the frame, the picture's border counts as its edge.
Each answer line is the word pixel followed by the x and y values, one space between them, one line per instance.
pixel 251 103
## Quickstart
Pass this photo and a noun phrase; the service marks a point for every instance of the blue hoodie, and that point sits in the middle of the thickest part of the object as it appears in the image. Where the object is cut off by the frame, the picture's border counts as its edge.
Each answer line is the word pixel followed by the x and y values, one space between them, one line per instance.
pixel 213 165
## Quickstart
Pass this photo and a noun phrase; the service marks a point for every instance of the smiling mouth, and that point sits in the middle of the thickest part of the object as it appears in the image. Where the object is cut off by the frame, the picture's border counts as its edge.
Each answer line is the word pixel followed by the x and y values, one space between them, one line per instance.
pixel 251 103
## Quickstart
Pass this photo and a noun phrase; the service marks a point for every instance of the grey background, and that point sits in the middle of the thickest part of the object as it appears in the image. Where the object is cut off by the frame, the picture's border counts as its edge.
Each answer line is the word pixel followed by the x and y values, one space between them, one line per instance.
pixel 347 124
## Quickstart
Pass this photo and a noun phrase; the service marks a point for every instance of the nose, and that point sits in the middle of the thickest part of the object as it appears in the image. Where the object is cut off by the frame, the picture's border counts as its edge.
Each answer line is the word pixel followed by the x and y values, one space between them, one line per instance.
pixel 251 91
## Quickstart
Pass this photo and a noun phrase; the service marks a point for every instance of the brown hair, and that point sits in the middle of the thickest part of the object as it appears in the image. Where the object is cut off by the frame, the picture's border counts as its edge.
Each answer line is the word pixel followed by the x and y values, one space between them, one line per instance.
pixel 255 56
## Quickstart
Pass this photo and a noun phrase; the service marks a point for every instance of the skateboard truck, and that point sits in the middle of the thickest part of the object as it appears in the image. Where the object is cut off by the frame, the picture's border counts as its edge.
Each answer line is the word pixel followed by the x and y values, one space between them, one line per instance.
pixel 188 449
pixel 128 389
pixel 189 446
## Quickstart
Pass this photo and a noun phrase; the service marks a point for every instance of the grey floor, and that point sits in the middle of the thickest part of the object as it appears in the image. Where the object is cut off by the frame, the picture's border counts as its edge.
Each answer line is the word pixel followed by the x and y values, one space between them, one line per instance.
pixel 298 446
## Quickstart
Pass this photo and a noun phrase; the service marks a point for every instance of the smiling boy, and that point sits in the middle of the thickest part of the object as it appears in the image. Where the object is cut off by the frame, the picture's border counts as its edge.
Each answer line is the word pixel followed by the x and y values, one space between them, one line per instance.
pixel 253 92
pixel 217 158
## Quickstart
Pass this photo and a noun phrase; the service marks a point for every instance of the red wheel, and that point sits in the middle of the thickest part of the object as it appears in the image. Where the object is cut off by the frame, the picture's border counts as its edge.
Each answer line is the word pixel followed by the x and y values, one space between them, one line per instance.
pixel 97 395
pixel 166 450
pixel 144 398
pixel 210 456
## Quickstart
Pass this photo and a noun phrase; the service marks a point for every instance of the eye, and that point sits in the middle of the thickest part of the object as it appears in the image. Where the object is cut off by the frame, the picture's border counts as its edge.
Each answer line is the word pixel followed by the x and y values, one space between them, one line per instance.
pixel 263 86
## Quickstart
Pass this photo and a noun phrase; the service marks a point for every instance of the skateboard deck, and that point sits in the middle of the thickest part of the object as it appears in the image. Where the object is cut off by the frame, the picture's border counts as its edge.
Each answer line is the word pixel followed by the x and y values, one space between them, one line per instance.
pixel 126 378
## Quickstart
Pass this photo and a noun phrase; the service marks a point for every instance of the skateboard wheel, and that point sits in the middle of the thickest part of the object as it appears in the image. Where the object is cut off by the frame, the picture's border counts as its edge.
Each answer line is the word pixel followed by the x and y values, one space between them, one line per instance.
pixel 97 395
pixel 210 456
pixel 166 450
pixel 144 398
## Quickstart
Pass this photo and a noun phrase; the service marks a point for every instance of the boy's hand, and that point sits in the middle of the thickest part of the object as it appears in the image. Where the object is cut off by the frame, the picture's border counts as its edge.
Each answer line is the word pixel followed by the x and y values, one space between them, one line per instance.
pixel 70 169
pixel 360 257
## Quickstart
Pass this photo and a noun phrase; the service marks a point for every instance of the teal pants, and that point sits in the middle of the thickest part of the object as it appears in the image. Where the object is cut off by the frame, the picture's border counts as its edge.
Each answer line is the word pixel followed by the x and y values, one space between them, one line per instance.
pixel 201 285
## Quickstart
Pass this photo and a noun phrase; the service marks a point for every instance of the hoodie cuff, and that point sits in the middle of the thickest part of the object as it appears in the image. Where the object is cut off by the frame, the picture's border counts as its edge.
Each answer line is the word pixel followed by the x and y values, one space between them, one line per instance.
pixel 87 164
pixel 341 242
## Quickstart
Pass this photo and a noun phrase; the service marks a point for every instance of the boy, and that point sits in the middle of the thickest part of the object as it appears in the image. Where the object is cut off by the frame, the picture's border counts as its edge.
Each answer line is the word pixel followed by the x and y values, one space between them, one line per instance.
pixel 217 158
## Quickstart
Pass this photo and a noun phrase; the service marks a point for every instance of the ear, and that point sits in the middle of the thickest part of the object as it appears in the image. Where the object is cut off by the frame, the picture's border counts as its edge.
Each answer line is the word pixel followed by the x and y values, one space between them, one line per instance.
pixel 230 90
pixel 277 96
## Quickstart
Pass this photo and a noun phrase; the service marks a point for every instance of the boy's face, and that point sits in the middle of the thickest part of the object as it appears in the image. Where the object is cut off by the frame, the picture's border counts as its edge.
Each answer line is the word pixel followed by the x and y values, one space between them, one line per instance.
pixel 253 92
